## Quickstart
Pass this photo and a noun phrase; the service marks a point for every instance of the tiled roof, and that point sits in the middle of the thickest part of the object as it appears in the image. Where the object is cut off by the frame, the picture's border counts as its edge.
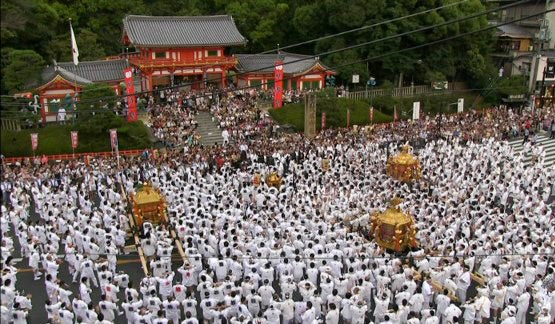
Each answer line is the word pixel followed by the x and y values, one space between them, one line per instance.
pixel 182 31
pixel 513 31
pixel 264 63
pixel 87 72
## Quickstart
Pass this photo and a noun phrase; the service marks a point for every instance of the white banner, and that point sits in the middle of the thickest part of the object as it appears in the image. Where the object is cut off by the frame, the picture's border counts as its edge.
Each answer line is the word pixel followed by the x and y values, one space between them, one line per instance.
pixel 356 78
pixel 416 110
pixel 460 105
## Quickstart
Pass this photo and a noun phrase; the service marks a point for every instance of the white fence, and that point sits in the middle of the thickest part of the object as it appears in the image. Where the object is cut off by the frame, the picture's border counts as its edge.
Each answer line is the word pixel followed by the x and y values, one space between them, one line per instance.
pixel 404 91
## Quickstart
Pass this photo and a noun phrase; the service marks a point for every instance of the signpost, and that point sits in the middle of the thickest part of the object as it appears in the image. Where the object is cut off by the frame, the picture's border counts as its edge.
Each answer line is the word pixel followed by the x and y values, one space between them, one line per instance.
pixel 416 110
pixel 460 105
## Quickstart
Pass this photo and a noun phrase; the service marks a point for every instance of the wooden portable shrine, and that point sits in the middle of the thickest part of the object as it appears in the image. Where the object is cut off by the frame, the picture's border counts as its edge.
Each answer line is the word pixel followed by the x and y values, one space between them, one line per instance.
pixel 404 166
pixel 273 180
pixel 393 229
pixel 148 205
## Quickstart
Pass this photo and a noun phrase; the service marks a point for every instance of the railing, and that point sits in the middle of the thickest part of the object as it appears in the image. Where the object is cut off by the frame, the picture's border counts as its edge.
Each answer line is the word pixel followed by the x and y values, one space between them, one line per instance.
pixel 404 91
pixel 10 124
pixel 142 61
pixel 63 157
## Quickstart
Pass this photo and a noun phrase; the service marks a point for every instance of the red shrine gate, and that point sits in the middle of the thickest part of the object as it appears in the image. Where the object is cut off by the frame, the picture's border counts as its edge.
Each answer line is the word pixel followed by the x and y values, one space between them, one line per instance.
pixel 189 50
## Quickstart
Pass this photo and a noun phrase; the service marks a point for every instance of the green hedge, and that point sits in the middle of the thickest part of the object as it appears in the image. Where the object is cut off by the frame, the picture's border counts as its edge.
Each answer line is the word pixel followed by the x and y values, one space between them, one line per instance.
pixel 336 113
pixel 428 103
pixel 93 137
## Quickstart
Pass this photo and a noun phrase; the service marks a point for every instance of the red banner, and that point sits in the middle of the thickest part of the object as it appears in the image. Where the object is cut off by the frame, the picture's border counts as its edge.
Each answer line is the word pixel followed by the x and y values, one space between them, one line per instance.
pixel 372 115
pixel 278 85
pixel 34 141
pixel 323 120
pixel 114 139
pixel 130 92
pixel 74 139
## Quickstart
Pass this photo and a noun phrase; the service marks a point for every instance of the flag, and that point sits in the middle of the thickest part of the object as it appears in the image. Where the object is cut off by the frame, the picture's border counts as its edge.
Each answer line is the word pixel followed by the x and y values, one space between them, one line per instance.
pixel 74 139
pixel 114 140
pixel 34 141
pixel 74 50
pixel 278 84
pixel 395 116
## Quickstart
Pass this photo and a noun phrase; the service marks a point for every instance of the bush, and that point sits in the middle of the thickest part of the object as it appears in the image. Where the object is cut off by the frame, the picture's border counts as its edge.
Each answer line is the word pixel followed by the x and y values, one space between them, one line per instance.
pixel 336 113
pixel 94 136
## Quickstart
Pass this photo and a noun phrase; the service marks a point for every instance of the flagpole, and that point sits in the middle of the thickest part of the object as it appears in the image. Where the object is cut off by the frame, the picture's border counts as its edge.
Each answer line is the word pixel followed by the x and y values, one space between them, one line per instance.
pixel 75 55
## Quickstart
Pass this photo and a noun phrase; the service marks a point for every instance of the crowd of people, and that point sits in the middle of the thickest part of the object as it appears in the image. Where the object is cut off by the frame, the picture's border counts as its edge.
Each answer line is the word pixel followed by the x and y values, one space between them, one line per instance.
pixel 290 254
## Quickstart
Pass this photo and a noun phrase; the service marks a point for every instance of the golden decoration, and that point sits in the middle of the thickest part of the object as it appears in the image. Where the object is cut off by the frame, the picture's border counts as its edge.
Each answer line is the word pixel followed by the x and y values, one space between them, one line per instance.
pixel 325 165
pixel 148 205
pixel 273 180
pixel 404 166
pixel 393 229
pixel 256 180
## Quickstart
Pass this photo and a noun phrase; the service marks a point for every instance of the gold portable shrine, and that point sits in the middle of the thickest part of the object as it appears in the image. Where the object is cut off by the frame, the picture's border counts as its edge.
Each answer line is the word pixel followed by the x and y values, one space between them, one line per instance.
pixel 148 205
pixel 404 166
pixel 393 229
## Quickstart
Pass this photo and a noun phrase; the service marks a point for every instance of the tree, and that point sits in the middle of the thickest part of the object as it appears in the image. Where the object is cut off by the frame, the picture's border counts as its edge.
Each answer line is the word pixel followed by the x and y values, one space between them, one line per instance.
pixel 95 99
pixel 23 70
pixel 259 20
pixel 87 42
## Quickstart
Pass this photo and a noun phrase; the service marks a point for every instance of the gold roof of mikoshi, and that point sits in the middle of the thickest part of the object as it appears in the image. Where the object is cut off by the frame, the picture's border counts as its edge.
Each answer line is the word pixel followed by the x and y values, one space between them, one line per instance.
pixel 147 195
pixel 394 215
pixel 405 157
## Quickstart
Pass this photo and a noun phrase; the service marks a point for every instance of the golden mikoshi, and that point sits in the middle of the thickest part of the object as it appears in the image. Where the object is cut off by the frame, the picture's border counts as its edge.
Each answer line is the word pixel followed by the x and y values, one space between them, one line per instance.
pixel 404 166
pixel 148 205
pixel 393 229
pixel 273 180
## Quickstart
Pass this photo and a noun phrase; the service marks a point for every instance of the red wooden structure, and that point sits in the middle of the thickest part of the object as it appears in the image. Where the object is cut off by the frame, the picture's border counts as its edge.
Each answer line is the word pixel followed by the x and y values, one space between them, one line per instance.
pixel 190 50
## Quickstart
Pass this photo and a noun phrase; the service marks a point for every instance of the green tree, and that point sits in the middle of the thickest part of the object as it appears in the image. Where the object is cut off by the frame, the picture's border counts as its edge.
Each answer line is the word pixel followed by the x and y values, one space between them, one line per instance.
pixel 87 42
pixel 95 99
pixel 23 70
pixel 260 21
pixel 105 19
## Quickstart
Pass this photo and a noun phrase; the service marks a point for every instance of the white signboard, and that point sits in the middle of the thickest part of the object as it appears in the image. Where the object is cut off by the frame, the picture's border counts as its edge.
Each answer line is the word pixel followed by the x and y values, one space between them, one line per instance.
pixel 460 105
pixel 416 110
pixel 356 78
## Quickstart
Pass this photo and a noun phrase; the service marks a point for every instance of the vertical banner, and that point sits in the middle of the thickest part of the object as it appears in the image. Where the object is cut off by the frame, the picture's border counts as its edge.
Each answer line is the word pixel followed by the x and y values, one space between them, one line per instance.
pixel 348 118
pixel 460 105
pixel 323 120
pixel 114 140
pixel 278 85
pixel 372 114
pixel 395 116
pixel 131 100
pixel 74 139
pixel 34 141
pixel 416 110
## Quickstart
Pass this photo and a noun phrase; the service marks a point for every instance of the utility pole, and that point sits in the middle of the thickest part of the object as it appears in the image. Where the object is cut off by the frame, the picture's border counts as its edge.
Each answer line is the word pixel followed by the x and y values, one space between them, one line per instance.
pixel 539 40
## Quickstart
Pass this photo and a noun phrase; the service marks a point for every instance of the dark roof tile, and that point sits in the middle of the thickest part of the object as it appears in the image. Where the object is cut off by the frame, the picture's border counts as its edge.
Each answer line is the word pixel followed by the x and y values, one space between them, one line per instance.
pixel 182 31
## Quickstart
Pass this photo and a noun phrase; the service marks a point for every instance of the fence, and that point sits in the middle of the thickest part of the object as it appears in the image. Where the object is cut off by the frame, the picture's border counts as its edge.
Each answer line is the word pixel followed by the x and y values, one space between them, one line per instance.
pixel 62 157
pixel 10 124
pixel 411 91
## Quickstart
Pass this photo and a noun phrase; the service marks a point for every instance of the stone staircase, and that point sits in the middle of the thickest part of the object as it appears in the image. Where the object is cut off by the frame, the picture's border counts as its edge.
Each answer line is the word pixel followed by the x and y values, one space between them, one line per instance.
pixel 208 130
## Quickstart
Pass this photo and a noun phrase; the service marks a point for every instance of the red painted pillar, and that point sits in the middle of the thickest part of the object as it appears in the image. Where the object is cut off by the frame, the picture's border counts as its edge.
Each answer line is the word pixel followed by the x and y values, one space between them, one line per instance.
pixel 224 73
pixel 150 82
